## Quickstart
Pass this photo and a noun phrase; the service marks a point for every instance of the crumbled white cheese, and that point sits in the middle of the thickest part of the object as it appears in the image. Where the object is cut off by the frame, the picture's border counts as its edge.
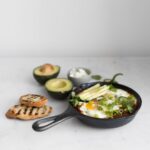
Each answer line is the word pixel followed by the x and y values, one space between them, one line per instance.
pixel 78 73
pixel 109 101
pixel 116 107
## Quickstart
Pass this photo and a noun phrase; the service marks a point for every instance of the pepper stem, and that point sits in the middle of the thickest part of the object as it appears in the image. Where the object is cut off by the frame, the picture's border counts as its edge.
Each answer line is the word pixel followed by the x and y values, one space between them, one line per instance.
pixel 115 76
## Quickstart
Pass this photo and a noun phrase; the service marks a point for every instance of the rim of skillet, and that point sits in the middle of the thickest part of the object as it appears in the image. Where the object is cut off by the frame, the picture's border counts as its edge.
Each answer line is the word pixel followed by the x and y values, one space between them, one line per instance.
pixel 138 97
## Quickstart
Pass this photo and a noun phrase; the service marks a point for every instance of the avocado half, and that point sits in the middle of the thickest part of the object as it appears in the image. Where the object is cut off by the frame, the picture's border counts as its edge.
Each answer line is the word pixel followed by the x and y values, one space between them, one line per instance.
pixel 43 77
pixel 59 88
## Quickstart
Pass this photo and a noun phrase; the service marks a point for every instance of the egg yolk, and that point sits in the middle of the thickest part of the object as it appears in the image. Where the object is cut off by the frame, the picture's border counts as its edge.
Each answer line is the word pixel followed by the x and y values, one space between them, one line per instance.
pixel 91 105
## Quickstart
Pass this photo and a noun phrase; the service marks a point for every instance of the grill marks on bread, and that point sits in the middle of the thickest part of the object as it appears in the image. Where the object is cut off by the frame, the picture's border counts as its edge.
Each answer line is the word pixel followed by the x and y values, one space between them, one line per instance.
pixel 33 100
pixel 27 113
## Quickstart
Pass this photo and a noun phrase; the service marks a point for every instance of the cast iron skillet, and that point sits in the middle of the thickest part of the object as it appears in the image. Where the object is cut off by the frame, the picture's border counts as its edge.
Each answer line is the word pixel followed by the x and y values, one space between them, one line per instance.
pixel 49 122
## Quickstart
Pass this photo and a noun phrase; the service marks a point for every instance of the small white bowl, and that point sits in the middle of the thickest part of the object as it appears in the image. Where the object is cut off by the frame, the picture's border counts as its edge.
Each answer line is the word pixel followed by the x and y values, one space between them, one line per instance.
pixel 79 80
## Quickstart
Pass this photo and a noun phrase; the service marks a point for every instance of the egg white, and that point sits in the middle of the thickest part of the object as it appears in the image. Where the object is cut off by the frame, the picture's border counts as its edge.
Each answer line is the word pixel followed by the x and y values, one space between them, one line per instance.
pixel 93 113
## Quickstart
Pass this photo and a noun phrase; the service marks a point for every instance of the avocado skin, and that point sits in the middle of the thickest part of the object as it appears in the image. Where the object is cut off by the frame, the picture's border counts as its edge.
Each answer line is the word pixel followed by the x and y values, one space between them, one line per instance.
pixel 43 79
pixel 59 95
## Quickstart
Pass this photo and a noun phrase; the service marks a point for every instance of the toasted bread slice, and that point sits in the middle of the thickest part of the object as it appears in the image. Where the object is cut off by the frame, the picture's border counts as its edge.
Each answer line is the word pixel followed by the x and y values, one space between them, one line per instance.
pixel 28 113
pixel 33 100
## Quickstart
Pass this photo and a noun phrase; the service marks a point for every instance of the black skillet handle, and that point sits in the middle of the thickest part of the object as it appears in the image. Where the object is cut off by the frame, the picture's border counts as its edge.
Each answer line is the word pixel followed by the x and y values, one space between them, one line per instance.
pixel 49 122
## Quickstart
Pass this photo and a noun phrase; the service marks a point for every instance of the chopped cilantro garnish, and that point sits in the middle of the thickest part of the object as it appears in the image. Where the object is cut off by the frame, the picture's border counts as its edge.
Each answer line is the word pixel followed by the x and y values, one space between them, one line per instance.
pixel 112 88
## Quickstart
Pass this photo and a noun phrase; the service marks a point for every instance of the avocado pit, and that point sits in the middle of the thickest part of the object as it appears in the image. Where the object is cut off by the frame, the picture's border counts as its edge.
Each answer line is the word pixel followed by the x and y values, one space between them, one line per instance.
pixel 45 72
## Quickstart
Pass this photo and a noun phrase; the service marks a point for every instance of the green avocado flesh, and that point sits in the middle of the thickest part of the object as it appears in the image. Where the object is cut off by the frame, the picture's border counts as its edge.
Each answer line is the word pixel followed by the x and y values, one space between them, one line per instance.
pixel 43 77
pixel 59 88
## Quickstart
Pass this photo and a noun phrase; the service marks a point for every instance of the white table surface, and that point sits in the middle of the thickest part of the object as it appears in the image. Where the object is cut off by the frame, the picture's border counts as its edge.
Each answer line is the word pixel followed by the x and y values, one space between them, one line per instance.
pixel 16 79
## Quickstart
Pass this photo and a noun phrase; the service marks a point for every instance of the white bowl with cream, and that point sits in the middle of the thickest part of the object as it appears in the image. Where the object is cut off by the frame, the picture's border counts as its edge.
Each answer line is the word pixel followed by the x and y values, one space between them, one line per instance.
pixel 79 75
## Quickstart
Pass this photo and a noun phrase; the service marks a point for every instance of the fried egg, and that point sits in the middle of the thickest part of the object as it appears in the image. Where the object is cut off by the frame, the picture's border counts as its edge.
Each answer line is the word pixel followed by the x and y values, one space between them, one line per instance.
pixel 91 110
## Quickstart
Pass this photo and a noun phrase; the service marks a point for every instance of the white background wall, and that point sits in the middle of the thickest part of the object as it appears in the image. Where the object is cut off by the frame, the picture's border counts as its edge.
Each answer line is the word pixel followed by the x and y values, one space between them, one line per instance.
pixel 74 27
